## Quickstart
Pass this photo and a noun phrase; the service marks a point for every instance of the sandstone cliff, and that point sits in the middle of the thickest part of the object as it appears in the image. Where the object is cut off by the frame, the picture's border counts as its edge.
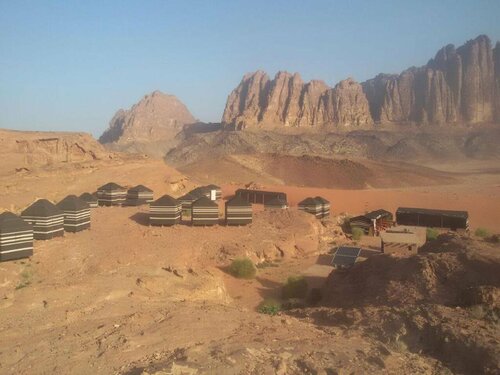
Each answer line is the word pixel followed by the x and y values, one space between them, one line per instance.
pixel 289 101
pixel 157 117
pixel 458 86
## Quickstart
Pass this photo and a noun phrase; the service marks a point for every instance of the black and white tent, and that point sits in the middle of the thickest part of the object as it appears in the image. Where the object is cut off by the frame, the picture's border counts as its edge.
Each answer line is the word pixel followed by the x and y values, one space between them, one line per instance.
pixel 276 203
pixel 325 206
pixel 46 218
pixel 238 211
pixel 204 212
pixel 187 201
pixel 76 213
pixel 312 206
pixel 91 199
pixel 165 211
pixel 139 195
pixel 111 194
pixel 16 237
pixel 200 191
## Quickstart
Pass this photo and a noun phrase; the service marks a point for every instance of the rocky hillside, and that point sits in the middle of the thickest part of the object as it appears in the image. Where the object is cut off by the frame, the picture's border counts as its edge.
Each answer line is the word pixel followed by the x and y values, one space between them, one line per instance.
pixel 156 118
pixel 21 150
pixel 459 85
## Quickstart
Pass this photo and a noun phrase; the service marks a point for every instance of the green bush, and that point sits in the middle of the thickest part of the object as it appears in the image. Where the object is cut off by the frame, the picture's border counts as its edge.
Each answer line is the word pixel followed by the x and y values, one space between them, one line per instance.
pixel 295 287
pixel 269 307
pixel 357 233
pixel 243 268
pixel 482 232
pixel 431 234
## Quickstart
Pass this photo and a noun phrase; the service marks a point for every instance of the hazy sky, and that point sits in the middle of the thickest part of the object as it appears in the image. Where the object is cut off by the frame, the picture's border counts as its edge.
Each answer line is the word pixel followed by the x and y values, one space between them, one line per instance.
pixel 69 65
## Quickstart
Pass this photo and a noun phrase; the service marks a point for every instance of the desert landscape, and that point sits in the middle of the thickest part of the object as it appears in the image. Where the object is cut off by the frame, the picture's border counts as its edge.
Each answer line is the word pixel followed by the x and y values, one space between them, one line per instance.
pixel 128 297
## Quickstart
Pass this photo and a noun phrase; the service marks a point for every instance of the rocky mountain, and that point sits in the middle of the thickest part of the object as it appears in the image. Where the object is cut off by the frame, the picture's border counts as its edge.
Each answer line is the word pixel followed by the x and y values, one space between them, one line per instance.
pixel 458 86
pixel 157 117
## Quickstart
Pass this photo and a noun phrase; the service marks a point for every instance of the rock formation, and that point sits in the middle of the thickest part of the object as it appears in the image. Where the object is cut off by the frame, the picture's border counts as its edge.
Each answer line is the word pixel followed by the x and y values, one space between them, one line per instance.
pixel 289 101
pixel 458 86
pixel 157 117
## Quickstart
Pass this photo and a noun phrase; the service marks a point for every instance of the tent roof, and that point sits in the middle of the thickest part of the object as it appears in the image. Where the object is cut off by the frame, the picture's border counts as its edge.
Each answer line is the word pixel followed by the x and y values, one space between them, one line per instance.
pixel 187 196
pixel 87 197
pixel 140 188
pixel 426 211
pixel 165 200
pixel 42 207
pixel 321 200
pixel 204 202
pixel 10 222
pixel 377 214
pixel 238 201
pixel 310 202
pixel 111 186
pixel 276 201
pixel 213 186
pixel 73 203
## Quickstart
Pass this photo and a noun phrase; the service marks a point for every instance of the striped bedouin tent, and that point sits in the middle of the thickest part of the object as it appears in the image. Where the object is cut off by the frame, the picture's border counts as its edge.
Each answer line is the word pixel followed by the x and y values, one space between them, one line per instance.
pixel 200 191
pixel 139 195
pixel 215 192
pixel 165 211
pixel 16 237
pixel 91 199
pixel 238 211
pixel 204 212
pixel 46 218
pixel 111 194
pixel 276 203
pixel 312 206
pixel 187 201
pixel 76 213
pixel 325 204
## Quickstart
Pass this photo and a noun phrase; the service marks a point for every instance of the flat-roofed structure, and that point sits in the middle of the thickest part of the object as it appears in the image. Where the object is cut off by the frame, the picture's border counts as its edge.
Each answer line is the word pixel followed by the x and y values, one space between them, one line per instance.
pixel 139 195
pixel 91 199
pixel 372 222
pixel 111 194
pixel 16 237
pixel 401 241
pixel 238 211
pixel 204 212
pixel 76 213
pixel 260 196
pixel 430 218
pixel 276 203
pixel 46 218
pixel 165 211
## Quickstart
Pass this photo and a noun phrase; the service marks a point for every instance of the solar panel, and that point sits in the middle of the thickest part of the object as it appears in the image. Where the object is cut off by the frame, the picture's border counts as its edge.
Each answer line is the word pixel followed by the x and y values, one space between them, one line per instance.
pixel 346 256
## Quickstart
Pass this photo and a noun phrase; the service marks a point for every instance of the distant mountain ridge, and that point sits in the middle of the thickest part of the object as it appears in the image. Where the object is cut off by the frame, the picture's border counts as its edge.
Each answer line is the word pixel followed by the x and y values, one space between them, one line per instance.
pixel 458 86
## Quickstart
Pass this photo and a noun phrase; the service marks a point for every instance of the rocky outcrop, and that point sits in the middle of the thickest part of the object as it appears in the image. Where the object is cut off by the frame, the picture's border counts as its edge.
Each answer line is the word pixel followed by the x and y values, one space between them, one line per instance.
pixel 287 100
pixel 157 117
pixel 458 86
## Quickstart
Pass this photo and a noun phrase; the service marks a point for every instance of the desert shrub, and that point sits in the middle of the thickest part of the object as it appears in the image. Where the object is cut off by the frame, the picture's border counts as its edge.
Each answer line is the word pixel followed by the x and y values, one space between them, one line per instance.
pixel 482 232
pixel 295 287
pixel 243 268
pixel 431 234
pixel 26 276
pixel 269 307
pixel 357 233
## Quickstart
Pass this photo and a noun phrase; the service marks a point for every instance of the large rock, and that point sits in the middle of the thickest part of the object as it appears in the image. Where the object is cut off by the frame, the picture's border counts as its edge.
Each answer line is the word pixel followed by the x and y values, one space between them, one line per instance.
pixel 157 117
pixel 457 86
pixel 287 100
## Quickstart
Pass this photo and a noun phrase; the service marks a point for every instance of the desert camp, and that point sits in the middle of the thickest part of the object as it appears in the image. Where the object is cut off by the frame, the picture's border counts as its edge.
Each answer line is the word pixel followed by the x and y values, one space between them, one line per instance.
pixel 46 218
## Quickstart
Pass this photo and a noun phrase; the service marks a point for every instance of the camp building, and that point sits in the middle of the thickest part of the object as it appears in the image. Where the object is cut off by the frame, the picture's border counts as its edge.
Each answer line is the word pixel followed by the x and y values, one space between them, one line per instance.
pixel 401 241
pixel 204 212
pixel 91 199
pixel 260 196
pixel 76 213
pixel 276 203
pixel 238 211
pixel 422 217
pixel 16 237
pixel 372 223
pixel 111 194
pixel 139 195
pixel 165 211
pixel 187 201
pixel 312 206
pixel 325 206
pixel 46 218
pixel 215 192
